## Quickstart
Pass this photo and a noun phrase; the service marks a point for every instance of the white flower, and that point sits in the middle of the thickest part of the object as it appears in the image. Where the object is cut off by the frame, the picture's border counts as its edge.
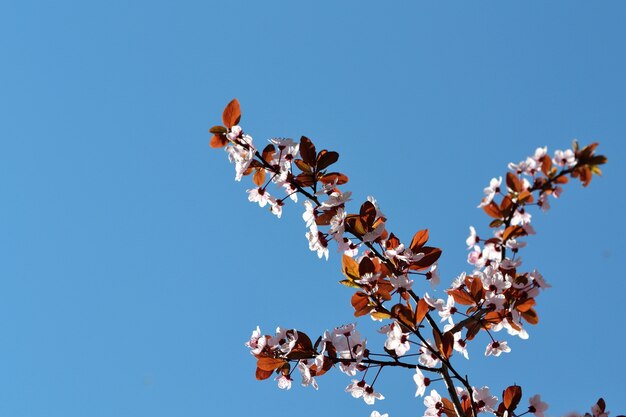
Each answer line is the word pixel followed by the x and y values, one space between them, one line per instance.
pixel 336 198
pixel 259 195
pixel 396 339
pixel 565 158
pixel 284 382
pixel 434 405
pixel 484 399
pixel 356 388
pixel 377 414
pixel 491 191
pixel 472 239
pixel 428 358
pixel 309 213
pixel 496 348
pixel 307 378
pixel 421 381
pixel 370 396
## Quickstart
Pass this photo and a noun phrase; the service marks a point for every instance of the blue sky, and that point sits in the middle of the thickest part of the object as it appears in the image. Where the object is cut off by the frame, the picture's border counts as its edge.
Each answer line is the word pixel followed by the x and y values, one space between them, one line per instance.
pixel 133 268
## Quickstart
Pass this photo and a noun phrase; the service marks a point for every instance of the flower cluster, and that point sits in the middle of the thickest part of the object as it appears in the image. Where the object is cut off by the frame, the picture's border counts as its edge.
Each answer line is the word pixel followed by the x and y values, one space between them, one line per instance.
pixel 381 269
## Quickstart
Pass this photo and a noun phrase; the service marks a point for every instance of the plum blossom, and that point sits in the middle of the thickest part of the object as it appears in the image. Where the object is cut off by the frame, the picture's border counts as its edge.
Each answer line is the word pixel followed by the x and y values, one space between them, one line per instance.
pixel 377 414
pixel 564 158
pixel 356 388
pixel 336 198
pixel 537 407
pixel 257 342
pixel 397 340
pixel 317 241
pixel 433 276
pixel 348 345
pixel 491 191
pixel 370 396
pixel 483 399
pixel 472 239
pixel 448 310
pixel 496 348
pixel 307 377
pixel 427 357
pixel 434 405
pixel 259 195
pixel 284 382
pixel 284 340
pixel 421 381
pixel 309 213
pixel 240 152
pixel 401 282
pixel 520 217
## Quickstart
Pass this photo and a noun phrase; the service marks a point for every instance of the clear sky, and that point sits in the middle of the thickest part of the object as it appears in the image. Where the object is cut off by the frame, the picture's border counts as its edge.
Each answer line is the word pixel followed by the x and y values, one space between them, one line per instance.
pixel 132 267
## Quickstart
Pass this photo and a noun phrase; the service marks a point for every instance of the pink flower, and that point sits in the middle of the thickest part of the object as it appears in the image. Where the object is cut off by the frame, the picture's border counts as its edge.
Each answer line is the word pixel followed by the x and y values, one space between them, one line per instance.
pixel 491 191
pixel 537 407
pixel 496 348
pixel 356 388
pixel 370 396
pixel 434 405
pixel 397 340
pixel 565 158
pixel 483 399
pixel 307 377
pixel 284 382
pixel 259 195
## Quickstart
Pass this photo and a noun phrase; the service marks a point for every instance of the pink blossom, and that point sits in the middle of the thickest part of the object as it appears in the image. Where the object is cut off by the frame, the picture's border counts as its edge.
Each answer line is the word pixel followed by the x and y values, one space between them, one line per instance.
pixel 496 348
pixel 537 407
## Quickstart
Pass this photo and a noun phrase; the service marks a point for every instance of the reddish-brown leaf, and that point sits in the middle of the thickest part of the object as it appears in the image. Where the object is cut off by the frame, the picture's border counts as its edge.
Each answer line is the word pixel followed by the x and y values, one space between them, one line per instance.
pixel 530 316
pixel 326 159
pixel 218 141
pixel 268 153
pixel 334 178
pixel 404 314
pixel 546 165
pixel 350 267
pixel 305 180
pixel 493 317
pixel 218 130
pixel 525 197
pixel 304 167
pixel 421 310
pixel 307 151
pixel 431 255
pixel 513 182
pixel 461 297
pixel 444 343
pixel 448 408
pixel 392 243
pixel 493 210
pixel 419 239
pixel 270 364
pixel 525 305
pixel 360 302
pixel 259 177
pixel 476 289
pixel 512 232
pixel 367 213
pixel 261 374
pixel 232 114
pixel 366 266
pixel 511 397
